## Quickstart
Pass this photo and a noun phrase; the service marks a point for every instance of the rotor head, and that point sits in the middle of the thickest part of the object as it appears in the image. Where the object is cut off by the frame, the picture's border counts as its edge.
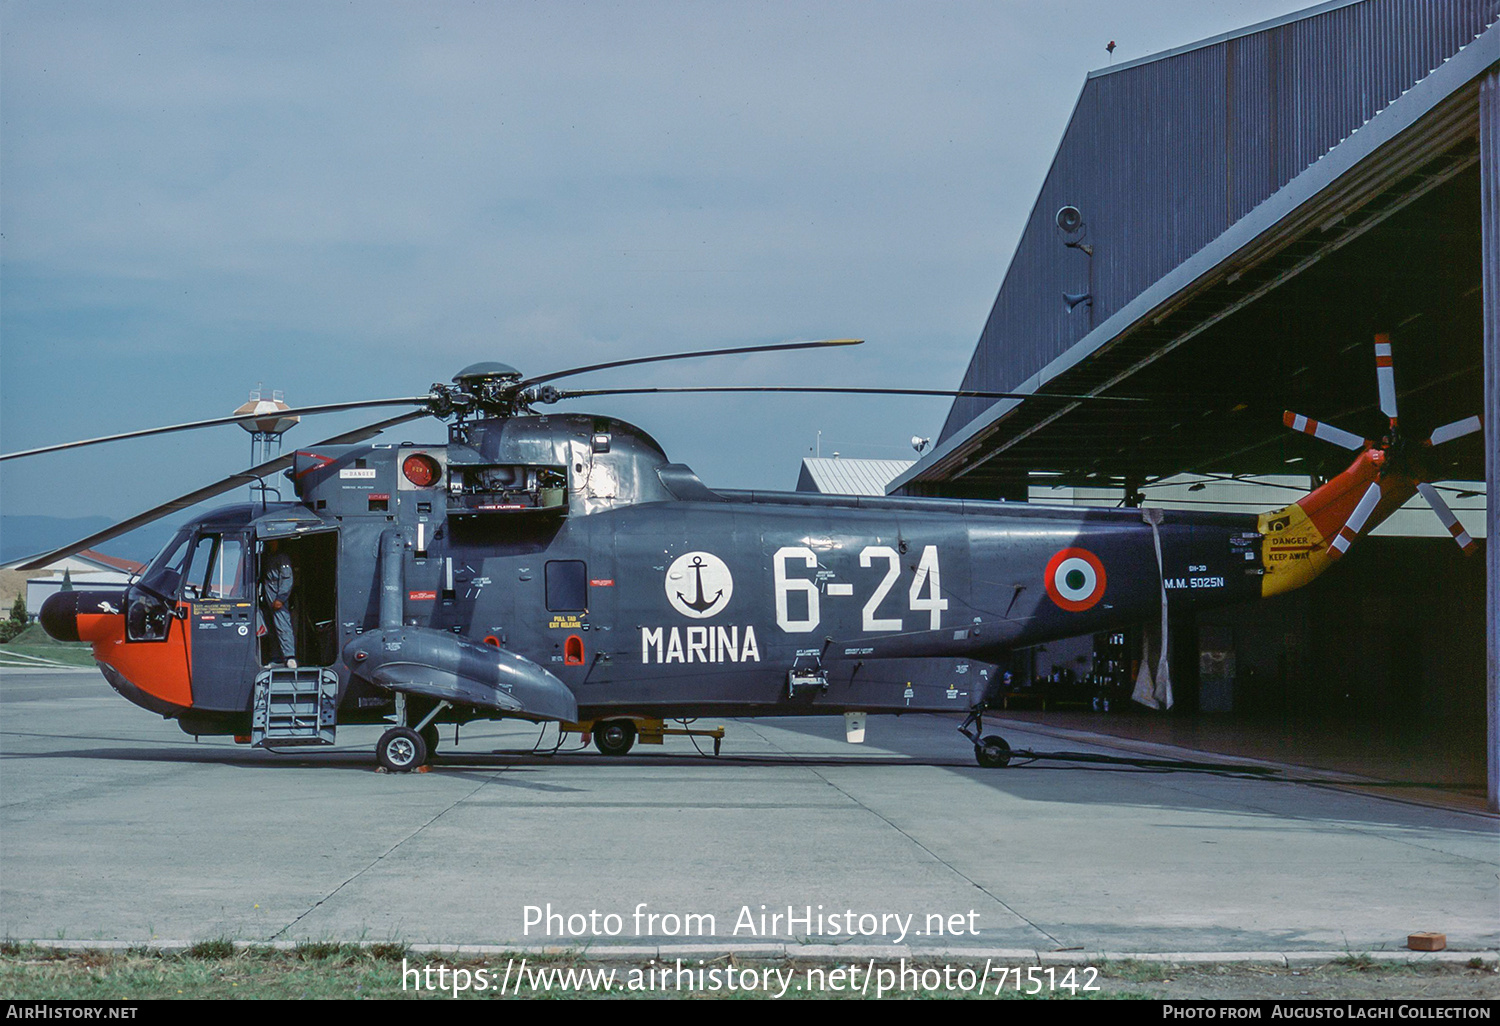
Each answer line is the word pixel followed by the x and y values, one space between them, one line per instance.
pixel 486 372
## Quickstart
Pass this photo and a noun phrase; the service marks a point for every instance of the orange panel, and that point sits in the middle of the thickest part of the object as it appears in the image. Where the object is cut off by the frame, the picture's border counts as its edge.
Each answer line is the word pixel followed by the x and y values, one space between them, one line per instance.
pixel 159 668
pixel 1298 536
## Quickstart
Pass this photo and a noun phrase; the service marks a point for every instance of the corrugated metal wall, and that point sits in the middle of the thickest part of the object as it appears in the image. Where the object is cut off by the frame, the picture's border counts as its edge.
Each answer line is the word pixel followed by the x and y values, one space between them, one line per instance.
pixel 1163 156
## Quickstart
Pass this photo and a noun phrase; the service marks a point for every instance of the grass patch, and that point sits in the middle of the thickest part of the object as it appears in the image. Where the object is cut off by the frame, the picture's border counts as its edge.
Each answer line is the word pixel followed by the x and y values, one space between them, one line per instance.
pixel 336 954
pixel 209 970
pixel 32 634
pixel 72 653
pixel 209 950
pixel 215 969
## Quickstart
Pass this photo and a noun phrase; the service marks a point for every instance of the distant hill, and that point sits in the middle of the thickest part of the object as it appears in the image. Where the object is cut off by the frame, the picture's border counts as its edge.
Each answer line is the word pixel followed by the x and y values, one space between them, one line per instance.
pixel 26 535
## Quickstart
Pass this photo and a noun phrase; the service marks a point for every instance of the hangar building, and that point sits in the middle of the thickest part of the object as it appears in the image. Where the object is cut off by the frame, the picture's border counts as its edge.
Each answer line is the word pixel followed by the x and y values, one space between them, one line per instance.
pixel 1254 208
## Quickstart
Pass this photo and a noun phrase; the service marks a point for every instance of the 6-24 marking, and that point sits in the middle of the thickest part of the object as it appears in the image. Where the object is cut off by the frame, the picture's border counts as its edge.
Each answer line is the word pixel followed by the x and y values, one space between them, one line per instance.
pixel 923 596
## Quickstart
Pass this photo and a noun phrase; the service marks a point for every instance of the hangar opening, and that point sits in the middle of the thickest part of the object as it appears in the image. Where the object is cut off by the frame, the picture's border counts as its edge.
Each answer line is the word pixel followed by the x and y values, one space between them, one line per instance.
pixel 1225 230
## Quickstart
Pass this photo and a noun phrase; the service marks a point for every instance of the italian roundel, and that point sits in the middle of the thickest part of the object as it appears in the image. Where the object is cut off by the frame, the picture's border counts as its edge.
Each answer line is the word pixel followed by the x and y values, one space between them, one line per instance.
pixel 1075 579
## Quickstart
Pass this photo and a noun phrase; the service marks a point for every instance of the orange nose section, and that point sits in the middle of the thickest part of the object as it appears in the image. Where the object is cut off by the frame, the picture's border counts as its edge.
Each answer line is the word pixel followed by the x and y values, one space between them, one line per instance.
pixel 161 669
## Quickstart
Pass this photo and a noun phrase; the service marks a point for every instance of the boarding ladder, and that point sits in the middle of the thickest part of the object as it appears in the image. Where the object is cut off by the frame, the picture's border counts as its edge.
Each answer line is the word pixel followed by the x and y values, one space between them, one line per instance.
pixel 294 707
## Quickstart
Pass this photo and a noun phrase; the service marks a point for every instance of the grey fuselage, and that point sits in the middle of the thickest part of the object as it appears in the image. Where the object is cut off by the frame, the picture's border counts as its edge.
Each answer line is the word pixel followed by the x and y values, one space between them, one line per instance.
pixel 572 542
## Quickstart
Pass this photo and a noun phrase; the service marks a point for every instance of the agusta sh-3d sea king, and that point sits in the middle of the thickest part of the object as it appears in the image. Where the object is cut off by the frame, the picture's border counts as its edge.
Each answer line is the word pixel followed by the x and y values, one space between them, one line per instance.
pixel 559 567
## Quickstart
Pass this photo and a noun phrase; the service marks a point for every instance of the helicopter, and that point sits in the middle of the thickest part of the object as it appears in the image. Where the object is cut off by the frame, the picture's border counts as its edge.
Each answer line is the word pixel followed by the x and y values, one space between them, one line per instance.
pixel 560 568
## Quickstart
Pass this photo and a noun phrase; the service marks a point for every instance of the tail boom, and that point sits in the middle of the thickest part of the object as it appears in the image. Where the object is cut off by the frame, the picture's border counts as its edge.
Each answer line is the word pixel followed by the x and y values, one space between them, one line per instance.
pixel 1306 538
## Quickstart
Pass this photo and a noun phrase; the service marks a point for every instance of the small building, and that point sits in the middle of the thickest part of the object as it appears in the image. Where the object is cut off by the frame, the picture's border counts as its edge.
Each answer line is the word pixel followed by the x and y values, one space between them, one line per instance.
pixel 85 571
pixel 835 476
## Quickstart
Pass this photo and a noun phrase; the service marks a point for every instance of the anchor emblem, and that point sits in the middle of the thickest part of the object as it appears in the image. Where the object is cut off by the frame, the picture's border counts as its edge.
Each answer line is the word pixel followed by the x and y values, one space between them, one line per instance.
pixel 700 603
pixel 709 589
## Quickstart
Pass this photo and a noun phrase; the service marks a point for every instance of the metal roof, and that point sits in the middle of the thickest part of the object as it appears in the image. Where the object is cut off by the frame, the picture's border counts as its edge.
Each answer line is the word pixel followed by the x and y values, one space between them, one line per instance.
pixel 849 477
pixel 1415 144
pixel 1248 30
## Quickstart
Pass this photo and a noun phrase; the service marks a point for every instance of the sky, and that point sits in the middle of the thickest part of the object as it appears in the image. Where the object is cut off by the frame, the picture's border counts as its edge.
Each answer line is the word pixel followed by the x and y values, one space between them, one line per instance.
pixel 347 201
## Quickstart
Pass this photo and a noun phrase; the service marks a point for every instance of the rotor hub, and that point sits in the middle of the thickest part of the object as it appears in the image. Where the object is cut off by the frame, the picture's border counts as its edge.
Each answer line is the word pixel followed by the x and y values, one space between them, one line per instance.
pixel 489 388
pixel 487 372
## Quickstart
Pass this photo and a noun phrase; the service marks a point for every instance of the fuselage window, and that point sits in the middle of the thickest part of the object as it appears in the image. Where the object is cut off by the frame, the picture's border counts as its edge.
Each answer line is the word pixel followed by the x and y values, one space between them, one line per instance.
pixel 567 586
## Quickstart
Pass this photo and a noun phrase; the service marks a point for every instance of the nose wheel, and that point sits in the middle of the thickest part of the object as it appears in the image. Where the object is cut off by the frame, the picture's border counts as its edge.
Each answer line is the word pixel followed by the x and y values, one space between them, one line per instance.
pixel 992 752
pixel 401 750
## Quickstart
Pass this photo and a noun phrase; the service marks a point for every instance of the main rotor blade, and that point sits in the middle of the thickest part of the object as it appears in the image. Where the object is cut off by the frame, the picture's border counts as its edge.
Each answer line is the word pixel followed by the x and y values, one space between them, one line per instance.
pixel 1385 376
pixel 821 344
pixel 233 481
pixel 1459 428
pixel 1350 530
pixel 1464 539
pixel 300 411
pixel 570 393
pixel 1327 432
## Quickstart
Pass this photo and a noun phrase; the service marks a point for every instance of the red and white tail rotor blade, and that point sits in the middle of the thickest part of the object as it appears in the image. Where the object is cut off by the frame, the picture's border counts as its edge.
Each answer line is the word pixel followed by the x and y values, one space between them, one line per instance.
pixel 1459 428
pixel 1464 539
pixel 1350 530
pixel 1327 432
pixel 1386 377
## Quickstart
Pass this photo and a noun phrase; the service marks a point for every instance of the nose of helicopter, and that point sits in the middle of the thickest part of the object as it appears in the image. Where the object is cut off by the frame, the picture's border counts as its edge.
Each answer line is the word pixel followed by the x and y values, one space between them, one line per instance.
pixel 59 615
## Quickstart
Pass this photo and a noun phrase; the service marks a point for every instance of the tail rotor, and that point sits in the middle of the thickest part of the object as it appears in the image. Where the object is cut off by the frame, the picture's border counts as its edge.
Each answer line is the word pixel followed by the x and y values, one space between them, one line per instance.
pixel 1327 432
pixel 1459 428
pixel 1356 521
pixel 1464 539
pixel 1392 458
pixel 1385 376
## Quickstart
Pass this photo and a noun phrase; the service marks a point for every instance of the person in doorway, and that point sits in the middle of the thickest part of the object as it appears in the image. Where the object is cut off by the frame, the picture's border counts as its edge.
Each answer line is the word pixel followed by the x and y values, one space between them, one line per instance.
pixel 276 595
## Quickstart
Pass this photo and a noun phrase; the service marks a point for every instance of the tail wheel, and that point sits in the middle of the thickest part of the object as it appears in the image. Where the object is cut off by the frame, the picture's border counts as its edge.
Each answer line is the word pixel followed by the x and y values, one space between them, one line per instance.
pixel 401 750
pixel 614 737
pixel 992 752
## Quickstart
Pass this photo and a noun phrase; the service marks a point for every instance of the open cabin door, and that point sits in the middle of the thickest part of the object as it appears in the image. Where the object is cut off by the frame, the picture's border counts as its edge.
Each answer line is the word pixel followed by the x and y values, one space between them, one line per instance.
pixel 311 556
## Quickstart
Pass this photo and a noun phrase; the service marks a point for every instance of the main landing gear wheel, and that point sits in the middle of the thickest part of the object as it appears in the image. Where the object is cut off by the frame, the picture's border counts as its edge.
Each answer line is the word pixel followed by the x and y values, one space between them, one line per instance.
pixel 614 737
pixel 430 739
pixel 401 750
pixel 992 752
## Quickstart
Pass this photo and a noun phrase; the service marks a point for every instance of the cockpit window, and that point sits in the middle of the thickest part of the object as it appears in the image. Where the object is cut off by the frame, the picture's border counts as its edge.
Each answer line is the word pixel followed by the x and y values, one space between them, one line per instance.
pixel 210 567
pixel 215 569
pixel 198 569
pixel 225 579
pixel 164 575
